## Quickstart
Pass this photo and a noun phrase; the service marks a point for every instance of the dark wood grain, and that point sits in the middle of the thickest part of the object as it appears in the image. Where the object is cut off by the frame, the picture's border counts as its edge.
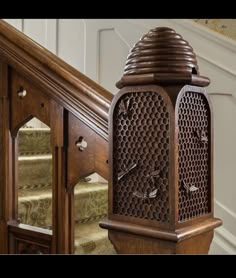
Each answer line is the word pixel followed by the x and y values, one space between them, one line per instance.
pixel 163 57
pixel 26 108
pixel 161 151
pixel 6 175
pixel 161 50
pixel 73 90
pixel 125 243
pixel 36 83
pixel 90 160
pixel 155 206
pixel 140 239
pixel 24 239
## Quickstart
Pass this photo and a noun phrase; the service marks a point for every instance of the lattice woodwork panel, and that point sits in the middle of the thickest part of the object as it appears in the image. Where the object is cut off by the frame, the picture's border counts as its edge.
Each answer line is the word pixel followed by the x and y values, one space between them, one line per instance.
pixel 194 156
pixel 141 157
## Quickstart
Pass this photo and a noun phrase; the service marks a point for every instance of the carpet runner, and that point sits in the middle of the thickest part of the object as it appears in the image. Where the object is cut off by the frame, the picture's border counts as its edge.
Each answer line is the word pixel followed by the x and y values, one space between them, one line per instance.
pixel 35 194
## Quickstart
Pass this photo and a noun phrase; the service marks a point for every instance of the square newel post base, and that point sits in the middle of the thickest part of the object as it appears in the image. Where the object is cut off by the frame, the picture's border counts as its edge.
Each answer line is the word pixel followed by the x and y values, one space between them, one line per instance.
pixel 134 239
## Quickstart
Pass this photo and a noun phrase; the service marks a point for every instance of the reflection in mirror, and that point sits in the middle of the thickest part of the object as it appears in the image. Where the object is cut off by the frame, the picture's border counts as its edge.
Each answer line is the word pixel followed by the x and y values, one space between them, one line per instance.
pixel 35 175
pixel 90 206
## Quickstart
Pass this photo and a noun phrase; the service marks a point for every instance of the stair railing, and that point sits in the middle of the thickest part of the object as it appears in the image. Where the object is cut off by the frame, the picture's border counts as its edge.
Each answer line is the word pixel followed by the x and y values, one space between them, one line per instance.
pixel 160 145
pixel 36 83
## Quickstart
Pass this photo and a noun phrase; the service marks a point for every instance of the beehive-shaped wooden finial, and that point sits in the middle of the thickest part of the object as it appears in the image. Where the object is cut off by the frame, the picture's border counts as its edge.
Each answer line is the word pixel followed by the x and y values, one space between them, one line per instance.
pixel 164 56
pixel 161 151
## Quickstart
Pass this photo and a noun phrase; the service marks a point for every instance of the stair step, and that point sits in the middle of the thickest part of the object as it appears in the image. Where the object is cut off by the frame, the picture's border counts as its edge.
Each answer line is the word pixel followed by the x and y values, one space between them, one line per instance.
pixel 90 201
pixel 91 239
pixel 34 171
pixel 34 141
pixel 35 207
pixel 35 194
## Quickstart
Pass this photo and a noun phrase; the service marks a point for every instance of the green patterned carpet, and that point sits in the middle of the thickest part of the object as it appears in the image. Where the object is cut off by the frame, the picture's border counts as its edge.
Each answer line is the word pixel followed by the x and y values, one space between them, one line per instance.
pixel 35 195
pixel 90 239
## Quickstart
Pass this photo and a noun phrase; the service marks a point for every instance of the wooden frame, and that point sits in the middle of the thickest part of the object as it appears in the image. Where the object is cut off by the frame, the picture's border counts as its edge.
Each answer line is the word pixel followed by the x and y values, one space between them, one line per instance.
pixel 60 96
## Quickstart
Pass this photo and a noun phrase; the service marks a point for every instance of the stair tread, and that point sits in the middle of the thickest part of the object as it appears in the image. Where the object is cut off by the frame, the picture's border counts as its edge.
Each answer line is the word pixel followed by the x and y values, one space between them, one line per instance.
pixel 34 141
pixel 83 188
pixel 91 239
pixel 86 187
pixel 35 157
pixel 32 129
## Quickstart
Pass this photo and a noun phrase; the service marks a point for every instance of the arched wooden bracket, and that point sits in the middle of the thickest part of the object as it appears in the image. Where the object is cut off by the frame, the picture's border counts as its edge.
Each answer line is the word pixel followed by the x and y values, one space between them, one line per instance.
pixel 35 104
pixel 87 152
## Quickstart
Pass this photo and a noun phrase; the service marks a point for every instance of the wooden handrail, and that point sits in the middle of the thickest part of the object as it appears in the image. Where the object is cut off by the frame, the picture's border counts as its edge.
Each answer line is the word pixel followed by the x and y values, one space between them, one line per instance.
pixel 74 107
pixel 76 92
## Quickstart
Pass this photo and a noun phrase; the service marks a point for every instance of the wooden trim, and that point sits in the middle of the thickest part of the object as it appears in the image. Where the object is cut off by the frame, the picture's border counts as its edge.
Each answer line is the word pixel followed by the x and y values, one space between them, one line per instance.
pixel 74 91
pixel 53 90
pixel 178 235
pixel 25 239
pixel 6 180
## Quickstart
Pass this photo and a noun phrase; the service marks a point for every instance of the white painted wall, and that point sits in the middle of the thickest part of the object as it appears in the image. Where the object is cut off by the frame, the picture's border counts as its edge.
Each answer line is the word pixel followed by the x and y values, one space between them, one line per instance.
pixel 99 48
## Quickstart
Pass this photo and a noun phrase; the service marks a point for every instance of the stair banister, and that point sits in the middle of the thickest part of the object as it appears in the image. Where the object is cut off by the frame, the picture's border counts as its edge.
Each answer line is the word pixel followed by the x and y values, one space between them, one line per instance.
pixel 36 83
pixel 78 93
pixel 160 200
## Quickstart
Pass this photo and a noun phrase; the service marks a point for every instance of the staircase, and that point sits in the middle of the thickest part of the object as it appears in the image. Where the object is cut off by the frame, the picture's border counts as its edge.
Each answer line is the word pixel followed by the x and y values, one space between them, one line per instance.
pixel 35 194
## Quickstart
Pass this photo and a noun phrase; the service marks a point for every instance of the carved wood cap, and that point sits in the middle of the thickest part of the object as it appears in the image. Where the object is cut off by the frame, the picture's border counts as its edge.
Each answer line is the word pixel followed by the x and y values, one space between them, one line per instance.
pixel 162 55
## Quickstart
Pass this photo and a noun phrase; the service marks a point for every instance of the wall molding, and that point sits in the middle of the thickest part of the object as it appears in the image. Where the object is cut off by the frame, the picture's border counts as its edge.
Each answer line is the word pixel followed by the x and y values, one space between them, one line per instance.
pixel 227 210
pixel 224 237
pixel 220 66
pixel 220 49
pixel 225 240
pixel 228 215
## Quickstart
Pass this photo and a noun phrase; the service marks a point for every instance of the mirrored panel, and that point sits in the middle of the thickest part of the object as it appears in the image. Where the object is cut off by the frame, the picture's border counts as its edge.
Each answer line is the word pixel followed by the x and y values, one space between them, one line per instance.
pixel 35 175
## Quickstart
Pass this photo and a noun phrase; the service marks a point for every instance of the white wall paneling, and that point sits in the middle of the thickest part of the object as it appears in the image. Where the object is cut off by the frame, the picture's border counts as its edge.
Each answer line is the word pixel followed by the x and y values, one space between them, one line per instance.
pixel 71 42
pixel 17 23
pixel 99 47
pixel 110 46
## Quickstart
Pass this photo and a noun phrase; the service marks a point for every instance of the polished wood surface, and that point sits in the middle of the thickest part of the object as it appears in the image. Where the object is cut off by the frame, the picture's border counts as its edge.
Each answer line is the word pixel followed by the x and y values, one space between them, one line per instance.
pixel 26 108
pixel 25 239
pixel 76 92
pixel 94 157
pixel 162 56
pixel 125 243
pixel 161 191
pixel 136 239
pixel 161 50
pixel 36 83
pixel 160 73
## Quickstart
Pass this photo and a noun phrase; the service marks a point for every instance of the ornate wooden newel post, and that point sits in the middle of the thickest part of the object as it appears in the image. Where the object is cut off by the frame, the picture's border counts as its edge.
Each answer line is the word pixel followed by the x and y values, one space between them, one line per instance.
pixel 161 151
